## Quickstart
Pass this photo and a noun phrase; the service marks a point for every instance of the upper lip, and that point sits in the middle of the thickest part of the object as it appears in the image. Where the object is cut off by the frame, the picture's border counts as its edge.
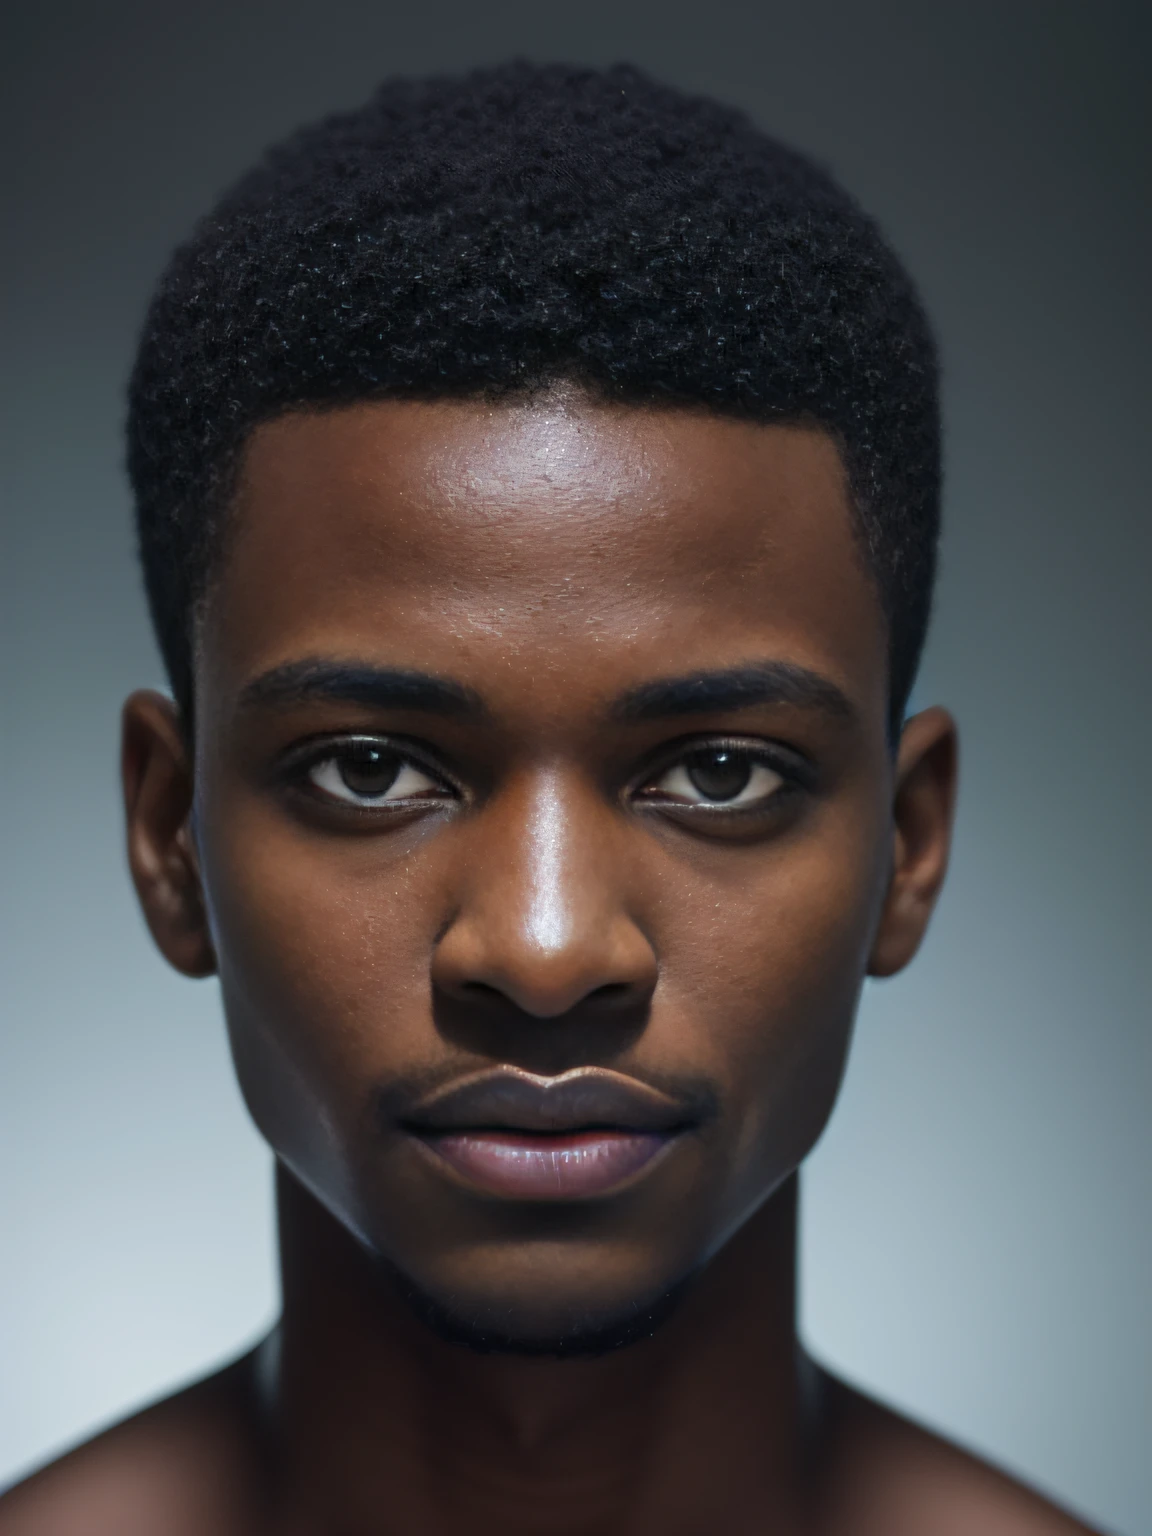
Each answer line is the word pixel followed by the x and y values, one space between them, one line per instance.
pixel 587 1098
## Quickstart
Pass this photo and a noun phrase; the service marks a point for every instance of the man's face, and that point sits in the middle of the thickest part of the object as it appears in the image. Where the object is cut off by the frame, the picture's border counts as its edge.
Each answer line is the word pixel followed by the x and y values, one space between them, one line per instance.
pixel 544 819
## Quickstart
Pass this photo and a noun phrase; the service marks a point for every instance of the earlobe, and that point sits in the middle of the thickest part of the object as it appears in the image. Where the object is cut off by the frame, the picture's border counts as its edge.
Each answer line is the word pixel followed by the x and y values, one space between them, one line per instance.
pixel 156 773
pixel 923 803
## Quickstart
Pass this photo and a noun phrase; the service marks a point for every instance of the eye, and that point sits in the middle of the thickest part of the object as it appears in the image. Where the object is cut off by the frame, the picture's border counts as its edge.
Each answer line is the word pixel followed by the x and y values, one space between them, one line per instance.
pixel 369 773
pixel 729 777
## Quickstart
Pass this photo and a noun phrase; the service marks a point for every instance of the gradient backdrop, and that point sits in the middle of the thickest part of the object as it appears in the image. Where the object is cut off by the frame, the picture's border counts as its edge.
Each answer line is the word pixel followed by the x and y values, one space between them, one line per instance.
pixel 976 1230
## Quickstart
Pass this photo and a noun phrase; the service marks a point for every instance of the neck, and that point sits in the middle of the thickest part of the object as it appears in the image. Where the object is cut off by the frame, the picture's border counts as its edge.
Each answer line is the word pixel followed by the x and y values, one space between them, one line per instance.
pixel 382 1425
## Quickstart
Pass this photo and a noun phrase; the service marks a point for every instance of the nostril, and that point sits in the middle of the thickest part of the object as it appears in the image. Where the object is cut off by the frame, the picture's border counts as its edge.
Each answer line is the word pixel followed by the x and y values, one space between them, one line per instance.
pixel 611 995
pixel 483 990
pixel 611 992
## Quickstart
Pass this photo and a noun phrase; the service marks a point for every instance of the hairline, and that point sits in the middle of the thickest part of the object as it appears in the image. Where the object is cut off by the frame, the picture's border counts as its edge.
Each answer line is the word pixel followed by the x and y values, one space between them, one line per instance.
pixel 231 465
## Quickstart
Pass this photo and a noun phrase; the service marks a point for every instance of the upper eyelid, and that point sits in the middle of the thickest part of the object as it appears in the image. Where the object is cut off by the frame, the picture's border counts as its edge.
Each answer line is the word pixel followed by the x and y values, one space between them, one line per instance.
pixel 785 760
pixel 319 749
pixel 306 755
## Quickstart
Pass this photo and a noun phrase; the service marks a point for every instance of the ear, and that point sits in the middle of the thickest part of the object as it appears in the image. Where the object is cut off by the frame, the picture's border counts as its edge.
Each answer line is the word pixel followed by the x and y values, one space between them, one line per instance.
pixel 925 795
pixel 156 772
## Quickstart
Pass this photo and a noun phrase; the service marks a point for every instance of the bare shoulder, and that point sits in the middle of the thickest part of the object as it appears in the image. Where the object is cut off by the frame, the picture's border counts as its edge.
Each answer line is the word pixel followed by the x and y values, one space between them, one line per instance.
pixel 183 1467
pixel 891 1477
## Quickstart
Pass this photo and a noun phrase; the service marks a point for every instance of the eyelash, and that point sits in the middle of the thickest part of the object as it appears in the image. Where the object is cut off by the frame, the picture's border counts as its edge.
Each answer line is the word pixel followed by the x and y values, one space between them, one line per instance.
pixel 306 759
pixel 795 772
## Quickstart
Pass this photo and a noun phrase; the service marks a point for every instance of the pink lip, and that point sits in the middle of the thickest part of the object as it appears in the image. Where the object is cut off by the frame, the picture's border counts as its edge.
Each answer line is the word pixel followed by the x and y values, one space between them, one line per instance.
pixel 569 1165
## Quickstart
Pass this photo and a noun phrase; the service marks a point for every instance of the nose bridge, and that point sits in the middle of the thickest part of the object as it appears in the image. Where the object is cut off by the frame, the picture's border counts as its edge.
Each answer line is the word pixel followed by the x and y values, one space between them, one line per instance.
pixel 554 886
pixel 543 913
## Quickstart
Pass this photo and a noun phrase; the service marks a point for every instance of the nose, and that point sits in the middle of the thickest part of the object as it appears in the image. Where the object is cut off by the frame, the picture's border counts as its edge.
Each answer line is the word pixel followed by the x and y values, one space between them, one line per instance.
pixel 541 911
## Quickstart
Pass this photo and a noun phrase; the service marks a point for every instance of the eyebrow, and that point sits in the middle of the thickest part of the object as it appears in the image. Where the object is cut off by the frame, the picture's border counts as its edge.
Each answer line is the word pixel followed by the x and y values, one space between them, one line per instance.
pixel 696 693
pixel 744 687
pixel 298 682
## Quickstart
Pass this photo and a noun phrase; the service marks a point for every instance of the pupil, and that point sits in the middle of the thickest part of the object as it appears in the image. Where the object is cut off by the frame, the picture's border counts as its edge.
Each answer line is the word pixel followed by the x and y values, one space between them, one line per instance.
pixel 369 771
pixel 719 775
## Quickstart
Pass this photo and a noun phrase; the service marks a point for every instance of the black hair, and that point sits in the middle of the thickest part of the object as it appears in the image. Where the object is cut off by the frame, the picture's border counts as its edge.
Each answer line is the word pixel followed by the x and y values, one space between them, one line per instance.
pixel 489 233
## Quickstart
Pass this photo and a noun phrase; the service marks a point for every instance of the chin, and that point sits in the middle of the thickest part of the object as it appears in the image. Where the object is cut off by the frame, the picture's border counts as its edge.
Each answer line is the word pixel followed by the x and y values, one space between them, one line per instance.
pixel 569 1327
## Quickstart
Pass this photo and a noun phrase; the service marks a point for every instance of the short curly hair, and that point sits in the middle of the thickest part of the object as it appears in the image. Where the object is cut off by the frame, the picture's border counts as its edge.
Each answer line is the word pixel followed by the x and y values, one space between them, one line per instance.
pixel 490 233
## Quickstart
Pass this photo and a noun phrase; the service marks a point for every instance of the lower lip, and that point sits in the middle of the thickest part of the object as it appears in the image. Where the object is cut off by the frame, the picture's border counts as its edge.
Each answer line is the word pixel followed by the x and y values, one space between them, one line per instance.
pixel 574 1166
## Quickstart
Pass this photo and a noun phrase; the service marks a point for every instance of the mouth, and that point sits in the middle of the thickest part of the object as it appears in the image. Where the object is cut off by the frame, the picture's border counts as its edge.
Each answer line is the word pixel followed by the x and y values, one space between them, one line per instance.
pixel 578 1136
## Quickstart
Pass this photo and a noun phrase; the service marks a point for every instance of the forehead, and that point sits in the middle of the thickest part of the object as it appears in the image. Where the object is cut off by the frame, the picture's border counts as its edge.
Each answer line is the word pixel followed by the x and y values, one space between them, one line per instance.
pixel 557 536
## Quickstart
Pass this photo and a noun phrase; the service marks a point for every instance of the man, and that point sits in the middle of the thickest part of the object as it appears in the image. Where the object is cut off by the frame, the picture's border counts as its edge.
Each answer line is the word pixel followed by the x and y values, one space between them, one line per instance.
pixel 537 481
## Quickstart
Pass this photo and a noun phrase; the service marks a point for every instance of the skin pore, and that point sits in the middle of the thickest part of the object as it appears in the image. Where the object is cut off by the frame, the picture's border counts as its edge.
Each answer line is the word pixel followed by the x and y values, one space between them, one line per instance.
pixel 541 823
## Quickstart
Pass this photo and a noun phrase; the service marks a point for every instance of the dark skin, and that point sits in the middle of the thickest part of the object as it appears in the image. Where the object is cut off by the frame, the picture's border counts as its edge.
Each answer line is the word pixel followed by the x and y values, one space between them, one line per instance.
pixel 545 740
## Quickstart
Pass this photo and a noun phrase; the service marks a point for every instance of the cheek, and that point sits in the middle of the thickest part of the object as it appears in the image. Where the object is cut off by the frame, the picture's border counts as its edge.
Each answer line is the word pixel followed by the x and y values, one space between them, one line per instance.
pixel 324 975
pixel 770 993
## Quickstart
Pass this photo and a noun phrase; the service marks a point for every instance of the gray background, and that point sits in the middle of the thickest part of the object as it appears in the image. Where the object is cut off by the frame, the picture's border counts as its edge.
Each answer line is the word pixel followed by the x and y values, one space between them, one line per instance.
pixel 977 1218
